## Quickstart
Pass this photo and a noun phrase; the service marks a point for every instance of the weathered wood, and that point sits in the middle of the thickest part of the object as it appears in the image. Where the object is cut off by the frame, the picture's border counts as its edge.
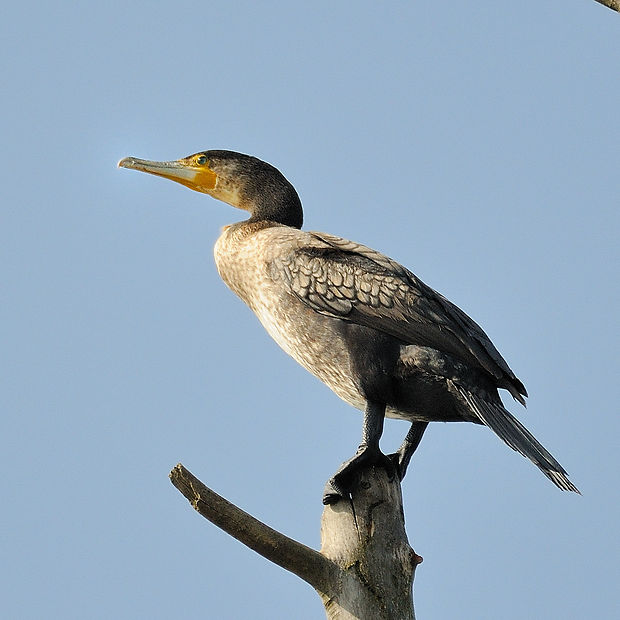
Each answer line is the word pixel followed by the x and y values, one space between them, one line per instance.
pixel 614 5
pixel 303 561
pixel 365 568
pixel 366 538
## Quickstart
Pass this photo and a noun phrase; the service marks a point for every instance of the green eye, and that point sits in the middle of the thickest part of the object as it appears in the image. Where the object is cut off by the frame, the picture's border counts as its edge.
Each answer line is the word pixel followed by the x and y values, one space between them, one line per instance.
pixel 202 159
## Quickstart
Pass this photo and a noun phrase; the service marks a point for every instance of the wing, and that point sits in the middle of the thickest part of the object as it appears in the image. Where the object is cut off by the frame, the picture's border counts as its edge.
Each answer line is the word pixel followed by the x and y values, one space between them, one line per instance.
pixel 345 280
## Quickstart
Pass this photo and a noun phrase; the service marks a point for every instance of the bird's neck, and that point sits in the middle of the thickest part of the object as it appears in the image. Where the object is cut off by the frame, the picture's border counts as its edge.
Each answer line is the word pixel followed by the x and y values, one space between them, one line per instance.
pixel 288 213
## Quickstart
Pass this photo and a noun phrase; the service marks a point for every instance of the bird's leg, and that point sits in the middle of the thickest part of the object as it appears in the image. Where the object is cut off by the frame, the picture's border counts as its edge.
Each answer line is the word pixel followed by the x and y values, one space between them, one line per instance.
pixel 368 453
pixel 403 455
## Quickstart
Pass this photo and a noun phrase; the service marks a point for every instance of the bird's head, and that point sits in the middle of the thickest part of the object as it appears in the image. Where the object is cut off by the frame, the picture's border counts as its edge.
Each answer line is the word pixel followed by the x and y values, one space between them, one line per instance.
pixel 240 180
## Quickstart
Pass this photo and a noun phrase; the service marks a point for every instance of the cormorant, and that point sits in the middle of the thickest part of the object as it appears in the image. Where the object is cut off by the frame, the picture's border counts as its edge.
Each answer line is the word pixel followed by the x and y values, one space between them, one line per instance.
pixel 371 330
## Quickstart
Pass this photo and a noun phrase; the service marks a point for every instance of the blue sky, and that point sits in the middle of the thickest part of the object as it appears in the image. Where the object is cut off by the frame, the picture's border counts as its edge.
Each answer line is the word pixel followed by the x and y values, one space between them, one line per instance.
pixel 477 143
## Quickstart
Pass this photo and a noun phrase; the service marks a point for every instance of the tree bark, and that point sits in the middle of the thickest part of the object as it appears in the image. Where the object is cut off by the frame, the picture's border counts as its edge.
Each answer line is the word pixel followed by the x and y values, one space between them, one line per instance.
pixel 365 568
pixel 614 5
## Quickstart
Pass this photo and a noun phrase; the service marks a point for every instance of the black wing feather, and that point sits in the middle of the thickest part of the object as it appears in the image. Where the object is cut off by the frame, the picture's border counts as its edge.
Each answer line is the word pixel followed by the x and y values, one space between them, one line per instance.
pixel 352 282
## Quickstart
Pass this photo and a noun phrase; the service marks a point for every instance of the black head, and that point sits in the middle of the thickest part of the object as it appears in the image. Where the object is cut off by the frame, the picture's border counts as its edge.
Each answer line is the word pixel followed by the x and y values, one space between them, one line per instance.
pixel 240 180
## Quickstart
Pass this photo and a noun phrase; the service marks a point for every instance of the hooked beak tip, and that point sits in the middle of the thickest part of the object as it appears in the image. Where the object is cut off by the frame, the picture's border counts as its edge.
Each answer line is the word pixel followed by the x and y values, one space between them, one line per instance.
pixel 126 162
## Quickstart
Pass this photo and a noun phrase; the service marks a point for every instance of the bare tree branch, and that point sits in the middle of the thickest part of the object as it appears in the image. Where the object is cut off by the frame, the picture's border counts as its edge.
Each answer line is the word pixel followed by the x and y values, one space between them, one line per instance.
pixel 295 557
pixel 614 5
pixel 365 568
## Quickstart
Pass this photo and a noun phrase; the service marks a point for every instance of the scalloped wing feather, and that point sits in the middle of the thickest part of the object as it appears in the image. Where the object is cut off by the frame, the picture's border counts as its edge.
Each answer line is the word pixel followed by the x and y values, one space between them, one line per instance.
pixel 349 281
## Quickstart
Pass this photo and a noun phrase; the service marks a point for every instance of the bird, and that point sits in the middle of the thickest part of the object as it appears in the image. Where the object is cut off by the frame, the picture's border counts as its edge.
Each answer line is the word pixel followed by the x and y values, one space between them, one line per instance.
pixel 372 331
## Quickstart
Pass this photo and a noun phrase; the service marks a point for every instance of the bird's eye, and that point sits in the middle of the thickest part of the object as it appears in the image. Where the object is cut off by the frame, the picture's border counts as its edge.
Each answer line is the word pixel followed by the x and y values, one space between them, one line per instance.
pixel 202 160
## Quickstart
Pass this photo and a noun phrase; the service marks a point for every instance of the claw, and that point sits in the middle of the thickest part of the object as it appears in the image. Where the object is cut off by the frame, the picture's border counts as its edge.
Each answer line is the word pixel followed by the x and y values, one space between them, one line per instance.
pixel 339 485
pixel 397 463
pixel 332 493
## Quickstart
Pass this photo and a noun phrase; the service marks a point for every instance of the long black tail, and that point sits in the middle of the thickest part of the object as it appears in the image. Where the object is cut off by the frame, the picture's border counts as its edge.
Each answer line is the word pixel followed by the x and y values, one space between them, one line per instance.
pixel 513 433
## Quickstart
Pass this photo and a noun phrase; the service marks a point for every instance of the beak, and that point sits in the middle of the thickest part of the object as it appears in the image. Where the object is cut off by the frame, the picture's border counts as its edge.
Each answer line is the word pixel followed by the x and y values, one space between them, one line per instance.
pixel 198 178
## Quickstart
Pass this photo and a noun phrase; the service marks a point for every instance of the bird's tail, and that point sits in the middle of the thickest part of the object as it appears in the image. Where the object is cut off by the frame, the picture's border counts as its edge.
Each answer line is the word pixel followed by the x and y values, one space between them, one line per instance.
pixel 513 433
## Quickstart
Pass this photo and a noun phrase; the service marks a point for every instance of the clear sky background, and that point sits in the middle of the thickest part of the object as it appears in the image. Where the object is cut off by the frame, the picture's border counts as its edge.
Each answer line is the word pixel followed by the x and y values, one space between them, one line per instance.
pixel 476 142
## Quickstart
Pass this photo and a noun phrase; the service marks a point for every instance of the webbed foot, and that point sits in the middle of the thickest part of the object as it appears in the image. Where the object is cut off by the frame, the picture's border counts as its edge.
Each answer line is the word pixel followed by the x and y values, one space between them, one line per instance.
pixel 339 485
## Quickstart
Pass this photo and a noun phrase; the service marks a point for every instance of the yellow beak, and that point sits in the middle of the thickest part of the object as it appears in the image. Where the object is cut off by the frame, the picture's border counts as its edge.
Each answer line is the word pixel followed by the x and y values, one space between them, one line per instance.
pixel 197 177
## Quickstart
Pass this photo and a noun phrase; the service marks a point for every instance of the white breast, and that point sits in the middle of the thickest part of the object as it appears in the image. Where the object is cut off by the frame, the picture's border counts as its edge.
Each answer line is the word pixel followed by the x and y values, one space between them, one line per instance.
pixel 245 262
